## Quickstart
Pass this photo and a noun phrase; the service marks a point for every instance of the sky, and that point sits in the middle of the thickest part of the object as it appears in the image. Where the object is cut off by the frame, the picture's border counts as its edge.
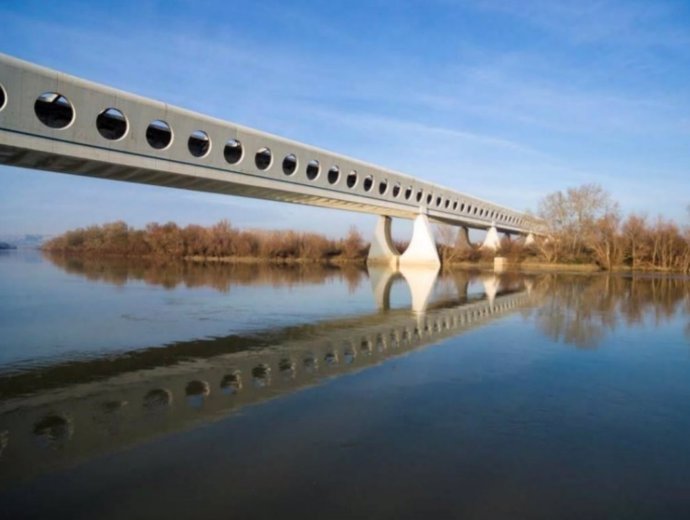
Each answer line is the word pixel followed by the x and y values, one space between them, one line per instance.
pixel 504 100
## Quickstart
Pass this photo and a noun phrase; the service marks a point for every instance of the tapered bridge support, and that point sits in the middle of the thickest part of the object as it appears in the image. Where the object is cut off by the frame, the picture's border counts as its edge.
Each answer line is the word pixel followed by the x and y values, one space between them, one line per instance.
pixel 529 240
pixel 492 241
pixel 463 243
pixel 422 249
pixel 382 251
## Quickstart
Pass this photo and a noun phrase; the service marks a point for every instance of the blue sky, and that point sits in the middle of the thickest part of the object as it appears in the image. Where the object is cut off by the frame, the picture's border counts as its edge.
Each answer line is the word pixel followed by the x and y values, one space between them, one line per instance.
pixel 507 101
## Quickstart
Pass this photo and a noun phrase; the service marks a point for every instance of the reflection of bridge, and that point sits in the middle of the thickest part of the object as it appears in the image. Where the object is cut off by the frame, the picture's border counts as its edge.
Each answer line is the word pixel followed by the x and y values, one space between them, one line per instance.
pixel 55 122
pixel 137 396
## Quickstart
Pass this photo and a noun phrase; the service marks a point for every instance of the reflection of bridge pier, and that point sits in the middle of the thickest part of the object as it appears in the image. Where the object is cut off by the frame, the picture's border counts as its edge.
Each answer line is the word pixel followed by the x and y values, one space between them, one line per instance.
pixel 420 281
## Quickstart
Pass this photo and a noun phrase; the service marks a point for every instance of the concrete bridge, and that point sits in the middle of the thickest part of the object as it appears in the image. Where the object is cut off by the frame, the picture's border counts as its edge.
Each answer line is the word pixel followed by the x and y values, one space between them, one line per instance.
pixel 59 415
pixel 56 122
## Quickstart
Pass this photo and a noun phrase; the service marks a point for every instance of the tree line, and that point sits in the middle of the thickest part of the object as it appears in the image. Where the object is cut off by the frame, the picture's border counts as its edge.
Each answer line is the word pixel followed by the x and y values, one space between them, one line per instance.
pixel 219 241
pixel 586 226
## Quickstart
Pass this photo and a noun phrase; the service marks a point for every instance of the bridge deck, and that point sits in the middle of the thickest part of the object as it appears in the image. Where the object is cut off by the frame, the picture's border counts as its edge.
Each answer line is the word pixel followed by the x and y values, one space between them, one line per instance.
pixel 52 121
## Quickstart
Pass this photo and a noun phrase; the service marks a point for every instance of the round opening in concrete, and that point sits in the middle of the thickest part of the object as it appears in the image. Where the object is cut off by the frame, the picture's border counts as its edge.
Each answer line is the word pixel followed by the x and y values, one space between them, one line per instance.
pixel 159 134
pixel 54 110
pixel 351 179
pixel 3 97
pixel 290 164
pixel 383 187
pixel 438 201
pixel 396 190
pixel 420 194
pixel 199 143
pixel 313 170
pixel 429 198
pixel 368 183
pixel 263 159
pixel 111 124
pixel 333 175
pixel 233 151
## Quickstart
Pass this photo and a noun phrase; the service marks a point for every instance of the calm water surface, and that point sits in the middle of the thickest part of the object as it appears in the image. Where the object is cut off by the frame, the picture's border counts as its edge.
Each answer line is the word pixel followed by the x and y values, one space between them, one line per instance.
pixel 147 390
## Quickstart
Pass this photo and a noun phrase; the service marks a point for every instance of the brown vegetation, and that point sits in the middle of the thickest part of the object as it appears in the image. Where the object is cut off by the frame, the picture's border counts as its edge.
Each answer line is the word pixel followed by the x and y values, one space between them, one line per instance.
pixel 197 242
pixel 586 228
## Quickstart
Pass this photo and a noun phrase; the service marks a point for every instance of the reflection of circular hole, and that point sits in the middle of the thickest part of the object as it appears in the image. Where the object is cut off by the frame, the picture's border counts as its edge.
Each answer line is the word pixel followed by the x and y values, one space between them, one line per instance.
pixel 113 406
pixel 233 151
pixel 196 392
pixel 159 134
pixel 4 440
pixel 231 383
pixel 197 387
pixel 313 170
pixel 365 346
pixel 333 175
pixel 349 355
pixel 290 164
pixel 54 110
pixel 287 368
pixel 158 399
pixel 310 363
pixel 199 143
pixel 261 375
pixel 331 358
pixel 111 124
pixel 54 429
pixel 262 159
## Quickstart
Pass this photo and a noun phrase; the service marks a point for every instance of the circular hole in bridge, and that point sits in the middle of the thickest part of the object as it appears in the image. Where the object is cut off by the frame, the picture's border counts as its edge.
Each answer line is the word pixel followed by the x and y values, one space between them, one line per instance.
pixel 290 164
pixel 368 183
pixel 263 159
pixel 351 179
pixel 383 187
pixel 408 193
pixel 111 124
pixel 199 143
pixel 438 201
pixel 396 190
pixel 333 175
pixel 429 198
pixel 159 134
pixel 313 169
pixel 420 194
pixel 54 110
pixel 3 97
pixel 233 151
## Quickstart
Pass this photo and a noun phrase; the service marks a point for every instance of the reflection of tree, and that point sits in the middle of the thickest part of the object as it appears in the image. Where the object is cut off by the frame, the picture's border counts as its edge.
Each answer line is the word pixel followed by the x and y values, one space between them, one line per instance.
pixel 581 309
pixel 218 275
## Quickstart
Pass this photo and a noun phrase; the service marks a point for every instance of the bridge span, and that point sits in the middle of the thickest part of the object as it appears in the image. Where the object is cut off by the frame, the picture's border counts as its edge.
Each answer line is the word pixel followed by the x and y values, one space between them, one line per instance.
pixel 56 122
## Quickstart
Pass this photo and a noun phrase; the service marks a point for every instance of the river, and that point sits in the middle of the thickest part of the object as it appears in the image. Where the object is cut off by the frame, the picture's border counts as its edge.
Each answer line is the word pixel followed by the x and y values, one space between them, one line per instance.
pixel 141 389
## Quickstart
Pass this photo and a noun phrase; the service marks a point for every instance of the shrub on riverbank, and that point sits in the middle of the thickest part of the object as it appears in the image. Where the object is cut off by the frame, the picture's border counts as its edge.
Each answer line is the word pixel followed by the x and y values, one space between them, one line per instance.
pixel 218 241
